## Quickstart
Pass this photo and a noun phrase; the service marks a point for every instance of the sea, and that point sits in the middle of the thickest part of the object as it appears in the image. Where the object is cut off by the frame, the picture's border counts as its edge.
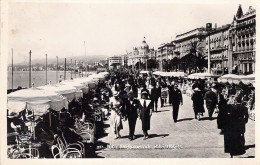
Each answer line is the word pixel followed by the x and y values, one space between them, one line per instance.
pixel 21 78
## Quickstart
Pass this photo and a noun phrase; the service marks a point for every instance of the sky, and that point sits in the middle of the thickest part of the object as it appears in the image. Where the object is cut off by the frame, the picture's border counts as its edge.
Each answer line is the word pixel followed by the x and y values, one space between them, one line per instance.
pixel 60 29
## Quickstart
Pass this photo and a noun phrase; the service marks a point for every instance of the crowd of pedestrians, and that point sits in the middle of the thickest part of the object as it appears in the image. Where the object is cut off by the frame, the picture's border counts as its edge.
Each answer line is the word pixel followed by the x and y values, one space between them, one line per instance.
pixel 231 102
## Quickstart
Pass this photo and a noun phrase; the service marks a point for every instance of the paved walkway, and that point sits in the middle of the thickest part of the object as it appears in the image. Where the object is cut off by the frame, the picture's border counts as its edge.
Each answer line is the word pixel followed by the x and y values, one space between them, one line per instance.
pixel 188 138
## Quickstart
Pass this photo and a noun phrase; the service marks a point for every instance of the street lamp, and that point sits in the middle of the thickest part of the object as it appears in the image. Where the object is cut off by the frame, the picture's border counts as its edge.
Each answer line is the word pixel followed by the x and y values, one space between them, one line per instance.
pixel 146 62
pixel 209 29
pixel 139 63
pixel 161 61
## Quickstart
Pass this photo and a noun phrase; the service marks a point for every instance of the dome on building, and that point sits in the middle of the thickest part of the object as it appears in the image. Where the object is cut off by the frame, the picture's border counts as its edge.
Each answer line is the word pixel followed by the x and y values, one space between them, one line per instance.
pixel 144 44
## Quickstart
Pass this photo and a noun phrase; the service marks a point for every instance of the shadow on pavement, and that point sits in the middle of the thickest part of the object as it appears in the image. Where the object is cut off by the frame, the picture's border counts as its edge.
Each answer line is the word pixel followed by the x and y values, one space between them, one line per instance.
pixel 99 146
pixel 249 146
pixel 136 136
pixel 250 157
pixel 207 118
pixel 161 111
pixel 186 119
pixel 150 136
pixel 156 135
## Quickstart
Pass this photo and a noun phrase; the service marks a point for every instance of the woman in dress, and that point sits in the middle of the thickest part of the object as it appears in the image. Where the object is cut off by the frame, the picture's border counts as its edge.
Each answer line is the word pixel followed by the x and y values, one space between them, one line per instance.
pixel 236 119
pixel 116 119
pixel 198 103
pixel 145 113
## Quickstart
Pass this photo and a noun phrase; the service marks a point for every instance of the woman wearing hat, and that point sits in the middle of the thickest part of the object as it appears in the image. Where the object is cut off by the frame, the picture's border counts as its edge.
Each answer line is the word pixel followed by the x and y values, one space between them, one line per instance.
pixel 145 113
pixel 235 127
pixel 198 103
pixel 116 119
pixel 145 90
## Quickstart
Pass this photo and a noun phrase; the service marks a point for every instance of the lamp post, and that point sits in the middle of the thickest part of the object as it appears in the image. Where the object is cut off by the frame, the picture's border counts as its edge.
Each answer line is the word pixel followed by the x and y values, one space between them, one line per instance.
pixel 146 62
pixel 209 29
pixel 65 67
pixel 71 70
pixel 161 61
pixel 57 67
pixel 30 71
pixel 75 68
pixel 139 63
pixel 12 71
pixel 46 70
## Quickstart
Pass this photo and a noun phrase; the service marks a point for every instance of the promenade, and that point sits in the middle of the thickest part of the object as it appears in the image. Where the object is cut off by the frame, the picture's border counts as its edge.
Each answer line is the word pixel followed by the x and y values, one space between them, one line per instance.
pixel 188 138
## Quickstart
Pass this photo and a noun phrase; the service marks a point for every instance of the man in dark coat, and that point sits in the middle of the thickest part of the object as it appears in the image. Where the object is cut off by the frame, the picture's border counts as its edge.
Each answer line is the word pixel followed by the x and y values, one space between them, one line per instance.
pixel 132 113
pixel 176 100
pixel 164 92
pixel 171 89
pixel 145 113
pixel 152 81
pixel 211 101
pixel 155 94
pixel 198 102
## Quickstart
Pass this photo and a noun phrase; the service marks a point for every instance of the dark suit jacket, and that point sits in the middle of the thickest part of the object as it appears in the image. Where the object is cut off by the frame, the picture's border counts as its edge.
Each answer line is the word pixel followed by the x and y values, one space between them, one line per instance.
pixel 132 109
pixel 211 99
pixel 155 93
pixel 176 96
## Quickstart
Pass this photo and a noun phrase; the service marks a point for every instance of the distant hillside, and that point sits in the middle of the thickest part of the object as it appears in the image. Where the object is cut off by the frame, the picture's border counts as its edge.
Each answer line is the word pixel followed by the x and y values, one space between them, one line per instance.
pixel 90 60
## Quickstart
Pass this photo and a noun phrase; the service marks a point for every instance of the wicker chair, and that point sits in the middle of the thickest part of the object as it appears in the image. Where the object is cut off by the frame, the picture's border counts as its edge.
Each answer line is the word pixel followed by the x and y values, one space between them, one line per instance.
pixel 62 148
pixel 86 130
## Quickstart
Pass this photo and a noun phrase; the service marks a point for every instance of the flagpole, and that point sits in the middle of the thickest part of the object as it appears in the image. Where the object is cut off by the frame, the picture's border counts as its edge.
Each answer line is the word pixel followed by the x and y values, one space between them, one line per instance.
pixel 65 70
pixel 75 68
pixel 57 70
pixel 30 73
pixel 46 70
pixel 71 70
pixel 86 59
pixel 12 71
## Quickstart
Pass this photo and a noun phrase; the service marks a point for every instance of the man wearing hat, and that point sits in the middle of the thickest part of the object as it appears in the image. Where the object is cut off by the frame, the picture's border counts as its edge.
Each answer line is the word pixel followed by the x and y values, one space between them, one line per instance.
pixel 211 100
pixel 155 94
pixel 145 113
pixel 132 113
pixel 176 100
pixel 171 88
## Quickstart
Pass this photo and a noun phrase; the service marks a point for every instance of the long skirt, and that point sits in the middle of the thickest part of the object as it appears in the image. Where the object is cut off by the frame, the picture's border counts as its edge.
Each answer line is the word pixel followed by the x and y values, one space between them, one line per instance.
pixel 234 143
pixel 221 120
pixel 198 109
pixel 145 118
pixel 116 122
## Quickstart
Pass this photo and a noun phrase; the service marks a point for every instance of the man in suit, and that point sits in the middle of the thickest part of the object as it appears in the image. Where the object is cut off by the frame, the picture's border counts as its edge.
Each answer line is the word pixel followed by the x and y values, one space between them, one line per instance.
pixel 176 100
pixel 171 88
pixel 155 94
pixel 211 100
pixel 132 113
pixel 153 81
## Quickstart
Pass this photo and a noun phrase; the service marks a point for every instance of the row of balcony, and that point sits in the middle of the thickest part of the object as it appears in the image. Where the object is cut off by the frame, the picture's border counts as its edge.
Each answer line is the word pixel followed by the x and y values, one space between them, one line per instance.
pixel 248 22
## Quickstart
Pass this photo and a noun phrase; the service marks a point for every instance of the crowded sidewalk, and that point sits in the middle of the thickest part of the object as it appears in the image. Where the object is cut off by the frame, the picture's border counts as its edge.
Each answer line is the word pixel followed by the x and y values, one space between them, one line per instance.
pixel 186 138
